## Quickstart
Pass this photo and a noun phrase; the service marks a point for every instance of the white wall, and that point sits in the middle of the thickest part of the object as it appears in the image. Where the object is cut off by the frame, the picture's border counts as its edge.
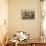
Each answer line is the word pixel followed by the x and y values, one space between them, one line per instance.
pixel 15 21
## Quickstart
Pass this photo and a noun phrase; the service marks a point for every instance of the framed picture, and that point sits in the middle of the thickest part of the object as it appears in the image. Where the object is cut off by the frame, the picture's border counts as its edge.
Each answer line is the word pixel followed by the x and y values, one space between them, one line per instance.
pixel 27 14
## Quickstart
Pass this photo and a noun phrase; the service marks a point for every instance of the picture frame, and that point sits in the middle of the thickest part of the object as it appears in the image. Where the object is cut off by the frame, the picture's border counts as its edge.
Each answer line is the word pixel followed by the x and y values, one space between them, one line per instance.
pixel 28 14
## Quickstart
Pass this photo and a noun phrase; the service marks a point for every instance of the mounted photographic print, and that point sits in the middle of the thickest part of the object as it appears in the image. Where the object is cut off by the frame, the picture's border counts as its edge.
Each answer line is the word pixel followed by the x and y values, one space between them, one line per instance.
pixel 27 14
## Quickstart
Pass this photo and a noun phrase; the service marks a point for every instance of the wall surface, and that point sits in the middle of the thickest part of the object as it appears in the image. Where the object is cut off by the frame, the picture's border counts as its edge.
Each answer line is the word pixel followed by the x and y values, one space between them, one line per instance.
pixel 31 26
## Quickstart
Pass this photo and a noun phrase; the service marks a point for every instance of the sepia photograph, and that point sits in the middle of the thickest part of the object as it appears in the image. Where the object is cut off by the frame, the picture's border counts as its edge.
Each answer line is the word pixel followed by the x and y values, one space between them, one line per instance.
pixel 22 22
pixel 28 14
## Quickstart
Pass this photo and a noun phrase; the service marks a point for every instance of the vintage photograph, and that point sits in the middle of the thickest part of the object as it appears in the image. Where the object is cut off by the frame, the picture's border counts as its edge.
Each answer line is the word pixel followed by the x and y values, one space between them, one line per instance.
pixel 22 22
pixel 28 14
